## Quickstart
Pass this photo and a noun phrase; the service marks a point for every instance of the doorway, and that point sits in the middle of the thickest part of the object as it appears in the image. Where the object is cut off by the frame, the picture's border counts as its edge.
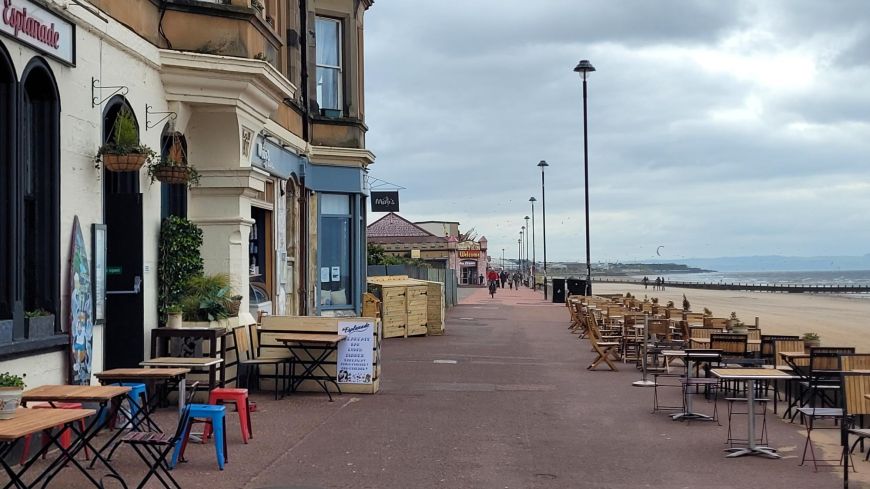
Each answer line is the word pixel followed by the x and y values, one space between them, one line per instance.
pixel 124 343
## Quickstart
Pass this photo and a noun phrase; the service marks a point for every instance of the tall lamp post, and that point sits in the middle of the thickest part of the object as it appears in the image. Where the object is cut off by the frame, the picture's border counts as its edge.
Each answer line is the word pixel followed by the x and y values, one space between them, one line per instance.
pixel 584 67
pixel 522 251
pixel 519 253
pixel 534 261
pixel 502 259
pixel 527 243
pixel 544 164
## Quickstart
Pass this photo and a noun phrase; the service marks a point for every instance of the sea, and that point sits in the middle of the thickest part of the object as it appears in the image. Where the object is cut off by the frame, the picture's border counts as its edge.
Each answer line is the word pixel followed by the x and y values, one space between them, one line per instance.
pixel 837 277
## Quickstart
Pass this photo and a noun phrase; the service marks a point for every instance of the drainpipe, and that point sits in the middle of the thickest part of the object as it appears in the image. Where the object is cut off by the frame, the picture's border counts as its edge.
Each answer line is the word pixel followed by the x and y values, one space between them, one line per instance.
pixel 304 194
pixel 303 48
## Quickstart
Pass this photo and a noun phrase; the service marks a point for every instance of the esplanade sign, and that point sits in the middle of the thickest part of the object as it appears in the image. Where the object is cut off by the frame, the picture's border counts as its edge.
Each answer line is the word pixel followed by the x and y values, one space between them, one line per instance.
pixel 29 23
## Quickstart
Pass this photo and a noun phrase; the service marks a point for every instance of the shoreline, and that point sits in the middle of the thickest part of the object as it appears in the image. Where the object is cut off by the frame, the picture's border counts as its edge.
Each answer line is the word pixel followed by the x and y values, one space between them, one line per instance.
pixel 839 319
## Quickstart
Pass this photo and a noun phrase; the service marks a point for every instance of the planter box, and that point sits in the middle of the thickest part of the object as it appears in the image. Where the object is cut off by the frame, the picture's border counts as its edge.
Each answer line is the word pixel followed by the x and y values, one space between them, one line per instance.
pixel 5 331
pixel 222 323
pixel 40 326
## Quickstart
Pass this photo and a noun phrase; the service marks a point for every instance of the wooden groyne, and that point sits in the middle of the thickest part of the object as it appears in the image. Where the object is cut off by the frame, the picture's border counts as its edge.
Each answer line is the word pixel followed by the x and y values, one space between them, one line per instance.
pixel 786 288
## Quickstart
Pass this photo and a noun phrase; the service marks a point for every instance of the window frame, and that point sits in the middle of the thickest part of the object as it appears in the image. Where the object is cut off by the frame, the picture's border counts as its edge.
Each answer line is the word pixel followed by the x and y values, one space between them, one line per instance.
pixel 339 68
pixel 352 260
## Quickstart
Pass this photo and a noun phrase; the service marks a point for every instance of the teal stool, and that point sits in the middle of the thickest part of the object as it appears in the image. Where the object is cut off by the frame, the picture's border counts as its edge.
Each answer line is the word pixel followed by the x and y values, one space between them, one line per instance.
pixel 216 415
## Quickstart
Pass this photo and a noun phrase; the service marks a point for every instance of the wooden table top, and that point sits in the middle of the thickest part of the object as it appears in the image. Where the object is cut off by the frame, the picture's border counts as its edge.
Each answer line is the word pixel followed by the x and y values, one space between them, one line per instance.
pixel 74 393
pixel 142 373
pixel 794 354
pixel 327 339
pixel 682 353
pixel 750 373
pixel 29 421
pixel 707 340
pixel 181 362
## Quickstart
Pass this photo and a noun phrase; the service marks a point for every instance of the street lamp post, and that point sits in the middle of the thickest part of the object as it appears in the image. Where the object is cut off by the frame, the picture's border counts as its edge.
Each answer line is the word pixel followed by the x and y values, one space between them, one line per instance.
pixel 534 261
pixel 544 164
pixel 519 253
pixel 522 251
pixel 527 243
pixel 502 259
pixel 584 67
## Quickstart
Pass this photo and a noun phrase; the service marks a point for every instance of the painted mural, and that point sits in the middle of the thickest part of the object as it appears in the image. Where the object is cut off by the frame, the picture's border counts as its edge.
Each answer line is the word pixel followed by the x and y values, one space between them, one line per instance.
pixel 81 310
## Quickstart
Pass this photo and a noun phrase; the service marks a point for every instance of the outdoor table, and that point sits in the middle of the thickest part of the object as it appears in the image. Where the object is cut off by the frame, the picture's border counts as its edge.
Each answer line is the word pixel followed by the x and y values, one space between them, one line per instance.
pixel 102 395
pixel 216 338
pixel 150 377
pixel 326 343
pixel 32 421
pixel 689 357
pixel 191 363
pixel 750 375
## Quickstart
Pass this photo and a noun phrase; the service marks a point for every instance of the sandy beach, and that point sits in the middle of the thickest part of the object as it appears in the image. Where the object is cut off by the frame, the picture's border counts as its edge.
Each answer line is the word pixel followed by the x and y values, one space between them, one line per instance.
pixel 840 320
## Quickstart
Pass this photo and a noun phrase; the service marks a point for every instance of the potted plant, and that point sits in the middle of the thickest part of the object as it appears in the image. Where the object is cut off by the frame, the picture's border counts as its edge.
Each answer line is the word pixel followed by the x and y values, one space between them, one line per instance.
pixel 171 171
pixel 124 152
pixel 708 313
pixel 235 305
pixel 736 325
pixel 811 340
pixel 173 316
pixel 40 323
pixel 11 387
pixel 686 305
pixel 206 300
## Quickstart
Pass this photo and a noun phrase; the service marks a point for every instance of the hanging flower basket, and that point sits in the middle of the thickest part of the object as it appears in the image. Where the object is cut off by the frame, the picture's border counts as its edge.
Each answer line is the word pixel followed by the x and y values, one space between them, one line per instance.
pixel 172 174
pixel 124 162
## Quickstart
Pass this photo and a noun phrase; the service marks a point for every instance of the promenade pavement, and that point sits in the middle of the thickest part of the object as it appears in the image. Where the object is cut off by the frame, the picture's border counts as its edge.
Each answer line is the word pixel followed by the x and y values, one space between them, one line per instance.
pixel 502 401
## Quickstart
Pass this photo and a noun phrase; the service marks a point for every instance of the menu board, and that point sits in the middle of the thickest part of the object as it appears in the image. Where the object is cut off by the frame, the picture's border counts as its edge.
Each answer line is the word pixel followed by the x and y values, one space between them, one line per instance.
pixel 355 353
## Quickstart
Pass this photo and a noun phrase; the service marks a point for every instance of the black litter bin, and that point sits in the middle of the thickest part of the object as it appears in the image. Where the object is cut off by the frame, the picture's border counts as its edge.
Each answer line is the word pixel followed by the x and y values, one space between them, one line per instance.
pixel 558 290
pixel 577 287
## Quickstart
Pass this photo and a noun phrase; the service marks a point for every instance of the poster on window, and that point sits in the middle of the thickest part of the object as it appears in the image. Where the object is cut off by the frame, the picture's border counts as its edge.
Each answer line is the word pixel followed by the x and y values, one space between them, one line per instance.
pixel 355 353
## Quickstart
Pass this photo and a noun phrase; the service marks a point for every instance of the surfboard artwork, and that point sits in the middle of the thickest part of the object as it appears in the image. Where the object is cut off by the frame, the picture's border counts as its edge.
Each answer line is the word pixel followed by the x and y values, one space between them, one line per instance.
pixel 81 309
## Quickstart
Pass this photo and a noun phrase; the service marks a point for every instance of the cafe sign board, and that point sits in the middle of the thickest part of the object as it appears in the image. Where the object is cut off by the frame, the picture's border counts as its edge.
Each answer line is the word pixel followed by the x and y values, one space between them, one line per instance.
pixel 355 363
pixel 469 253
pixel 29 23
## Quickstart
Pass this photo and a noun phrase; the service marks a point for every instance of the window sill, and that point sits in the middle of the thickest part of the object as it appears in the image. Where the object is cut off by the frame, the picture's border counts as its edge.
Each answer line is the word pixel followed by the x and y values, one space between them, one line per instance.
pixel 23 348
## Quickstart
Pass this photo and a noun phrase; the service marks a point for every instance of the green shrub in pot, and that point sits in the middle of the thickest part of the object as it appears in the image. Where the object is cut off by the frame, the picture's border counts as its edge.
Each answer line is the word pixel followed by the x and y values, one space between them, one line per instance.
pixel 11 387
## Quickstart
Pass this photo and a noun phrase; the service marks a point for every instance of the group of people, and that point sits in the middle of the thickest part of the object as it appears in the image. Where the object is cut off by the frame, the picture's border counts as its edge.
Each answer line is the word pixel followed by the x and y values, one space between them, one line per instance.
pixel 513 280
pixel 659 283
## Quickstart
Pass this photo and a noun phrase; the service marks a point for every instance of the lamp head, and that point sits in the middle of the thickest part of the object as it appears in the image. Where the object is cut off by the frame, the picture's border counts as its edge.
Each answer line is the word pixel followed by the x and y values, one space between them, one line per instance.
pixel 526 218
pixel 584 67
pixel 542 164
pixel 532 199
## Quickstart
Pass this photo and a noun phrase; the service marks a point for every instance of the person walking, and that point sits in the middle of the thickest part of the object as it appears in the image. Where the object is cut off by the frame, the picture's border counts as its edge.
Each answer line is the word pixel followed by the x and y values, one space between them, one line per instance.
pixel 503 277
pixel 516 280
pixel 645 282
pixel 658 283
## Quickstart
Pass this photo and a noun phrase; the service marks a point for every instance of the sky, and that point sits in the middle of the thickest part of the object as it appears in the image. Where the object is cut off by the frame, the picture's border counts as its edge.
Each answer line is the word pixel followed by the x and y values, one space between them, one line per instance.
pixel 715 128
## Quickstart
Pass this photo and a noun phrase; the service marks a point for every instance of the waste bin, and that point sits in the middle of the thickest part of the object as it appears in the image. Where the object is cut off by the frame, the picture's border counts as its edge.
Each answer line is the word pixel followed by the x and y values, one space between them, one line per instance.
pixel 558 286
pixel 577 287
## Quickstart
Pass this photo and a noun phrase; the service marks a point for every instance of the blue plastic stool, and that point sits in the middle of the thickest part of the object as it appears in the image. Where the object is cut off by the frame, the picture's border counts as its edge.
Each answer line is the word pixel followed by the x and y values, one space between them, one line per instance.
pixel 216 415
pixel 138 394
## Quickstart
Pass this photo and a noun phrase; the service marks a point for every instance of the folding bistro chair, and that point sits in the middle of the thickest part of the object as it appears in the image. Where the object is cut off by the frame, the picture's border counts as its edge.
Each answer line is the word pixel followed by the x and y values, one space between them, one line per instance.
pixel 855 387
pixel 153 448
pixel 251 361
pixel 603 349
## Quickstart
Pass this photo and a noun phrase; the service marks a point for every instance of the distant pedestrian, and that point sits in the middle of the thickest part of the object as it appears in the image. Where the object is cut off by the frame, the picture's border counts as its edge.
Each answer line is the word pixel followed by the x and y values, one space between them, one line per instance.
pixel 663 283
pixel 516 280
pixel 503 277
pixel 658 283
pixel 481 279
pixel 645 282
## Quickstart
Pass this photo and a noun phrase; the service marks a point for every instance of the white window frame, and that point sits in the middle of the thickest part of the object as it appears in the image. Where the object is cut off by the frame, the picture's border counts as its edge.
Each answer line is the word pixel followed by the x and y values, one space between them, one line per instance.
pixel 338 67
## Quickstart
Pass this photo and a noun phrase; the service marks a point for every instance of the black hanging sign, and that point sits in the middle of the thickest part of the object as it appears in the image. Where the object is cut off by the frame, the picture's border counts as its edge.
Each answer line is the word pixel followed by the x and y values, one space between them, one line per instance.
pixel 385 201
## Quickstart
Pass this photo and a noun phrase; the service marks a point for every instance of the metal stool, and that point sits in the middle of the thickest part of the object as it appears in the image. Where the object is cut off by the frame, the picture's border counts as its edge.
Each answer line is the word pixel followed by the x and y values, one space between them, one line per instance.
pixel 762 440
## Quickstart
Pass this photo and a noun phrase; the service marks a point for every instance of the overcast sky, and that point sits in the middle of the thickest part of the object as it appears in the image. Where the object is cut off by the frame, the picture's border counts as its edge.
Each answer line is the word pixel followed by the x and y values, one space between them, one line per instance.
pixel 716 128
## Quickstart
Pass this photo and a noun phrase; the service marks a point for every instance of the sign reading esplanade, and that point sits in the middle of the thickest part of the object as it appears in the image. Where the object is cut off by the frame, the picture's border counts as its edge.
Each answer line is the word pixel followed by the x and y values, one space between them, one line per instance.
pixel 27 22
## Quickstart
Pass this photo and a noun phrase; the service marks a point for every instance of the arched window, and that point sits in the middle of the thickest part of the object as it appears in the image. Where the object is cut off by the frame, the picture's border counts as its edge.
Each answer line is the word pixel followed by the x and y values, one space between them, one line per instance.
pixel 39 188
pixel 7 182
pixel 173 196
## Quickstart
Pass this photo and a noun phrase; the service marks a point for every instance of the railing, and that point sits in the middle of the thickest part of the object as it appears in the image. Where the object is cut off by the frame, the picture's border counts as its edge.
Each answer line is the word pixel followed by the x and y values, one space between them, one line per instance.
pixel 787 288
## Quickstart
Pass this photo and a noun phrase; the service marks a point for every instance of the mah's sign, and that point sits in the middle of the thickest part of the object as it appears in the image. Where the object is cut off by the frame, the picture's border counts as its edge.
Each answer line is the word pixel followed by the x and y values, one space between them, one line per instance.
pixel 469 254
pixel 27 22
pixel 385 201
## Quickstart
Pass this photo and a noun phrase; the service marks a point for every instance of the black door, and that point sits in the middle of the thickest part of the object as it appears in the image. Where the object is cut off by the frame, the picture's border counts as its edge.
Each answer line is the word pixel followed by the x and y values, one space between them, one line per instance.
pixel 125 307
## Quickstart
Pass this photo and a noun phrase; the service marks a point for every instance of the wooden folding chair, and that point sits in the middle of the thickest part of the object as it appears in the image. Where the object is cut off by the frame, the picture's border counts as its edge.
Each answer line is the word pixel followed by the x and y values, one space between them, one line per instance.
pixel 603 349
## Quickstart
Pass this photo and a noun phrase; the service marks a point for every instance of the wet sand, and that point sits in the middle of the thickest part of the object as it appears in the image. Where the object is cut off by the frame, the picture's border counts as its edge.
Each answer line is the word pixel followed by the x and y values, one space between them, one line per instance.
pixel 840 320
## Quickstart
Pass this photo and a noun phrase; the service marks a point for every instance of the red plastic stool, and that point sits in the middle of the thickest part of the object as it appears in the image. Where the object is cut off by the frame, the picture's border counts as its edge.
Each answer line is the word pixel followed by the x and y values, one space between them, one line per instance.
pixel 239 397
pixel 65 438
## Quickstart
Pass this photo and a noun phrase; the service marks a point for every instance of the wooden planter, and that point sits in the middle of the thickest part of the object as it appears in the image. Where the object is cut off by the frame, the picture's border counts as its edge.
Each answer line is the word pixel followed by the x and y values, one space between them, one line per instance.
pixel 124 163
pixel 172 174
